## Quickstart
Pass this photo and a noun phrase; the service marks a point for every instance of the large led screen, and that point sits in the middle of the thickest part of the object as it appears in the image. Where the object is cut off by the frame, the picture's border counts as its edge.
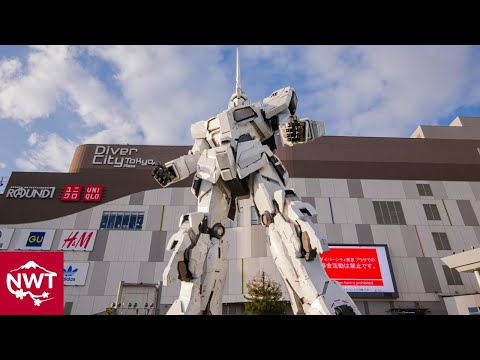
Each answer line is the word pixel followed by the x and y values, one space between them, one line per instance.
pixel 362 270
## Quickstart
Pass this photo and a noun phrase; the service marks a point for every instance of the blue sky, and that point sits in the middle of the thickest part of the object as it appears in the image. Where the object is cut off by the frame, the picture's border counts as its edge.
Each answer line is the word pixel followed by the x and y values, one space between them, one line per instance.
pixel 53 98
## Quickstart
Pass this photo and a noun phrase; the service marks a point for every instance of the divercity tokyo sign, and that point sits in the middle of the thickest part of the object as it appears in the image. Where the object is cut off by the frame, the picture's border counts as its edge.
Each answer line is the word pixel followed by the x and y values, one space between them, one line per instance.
pixel 30 192
pixel 119 157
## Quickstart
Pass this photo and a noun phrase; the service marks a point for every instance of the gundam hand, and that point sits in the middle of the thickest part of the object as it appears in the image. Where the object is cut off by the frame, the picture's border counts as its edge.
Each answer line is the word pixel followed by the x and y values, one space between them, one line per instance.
pixel 295 130
pixel 161 173
pixel 299 131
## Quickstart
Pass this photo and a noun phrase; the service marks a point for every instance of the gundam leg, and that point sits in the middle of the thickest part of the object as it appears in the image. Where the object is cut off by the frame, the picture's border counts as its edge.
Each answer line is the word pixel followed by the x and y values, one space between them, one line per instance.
pixel 199 257
pixel 294 243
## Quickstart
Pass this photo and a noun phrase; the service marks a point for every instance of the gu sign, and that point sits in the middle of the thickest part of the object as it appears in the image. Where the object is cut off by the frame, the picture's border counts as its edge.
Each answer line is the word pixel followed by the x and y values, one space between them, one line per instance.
pixel 30 192
pixel 35 239
pixel 79 240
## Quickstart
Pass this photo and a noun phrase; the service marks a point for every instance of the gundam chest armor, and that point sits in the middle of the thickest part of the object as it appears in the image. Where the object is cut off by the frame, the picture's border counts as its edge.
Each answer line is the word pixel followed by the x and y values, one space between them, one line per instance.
pixel 232 158
pixel 241 142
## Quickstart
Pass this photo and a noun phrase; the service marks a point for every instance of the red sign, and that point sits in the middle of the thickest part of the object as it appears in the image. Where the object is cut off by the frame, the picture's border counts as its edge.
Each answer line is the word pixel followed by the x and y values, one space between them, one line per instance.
pixel 71 193
pixel 353 266
pixel 77 240
pixel 93 193
pixel 31 283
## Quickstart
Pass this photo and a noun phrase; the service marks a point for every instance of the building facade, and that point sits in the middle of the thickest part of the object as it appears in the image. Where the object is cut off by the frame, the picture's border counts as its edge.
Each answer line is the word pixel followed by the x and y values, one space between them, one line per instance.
pixel 418 198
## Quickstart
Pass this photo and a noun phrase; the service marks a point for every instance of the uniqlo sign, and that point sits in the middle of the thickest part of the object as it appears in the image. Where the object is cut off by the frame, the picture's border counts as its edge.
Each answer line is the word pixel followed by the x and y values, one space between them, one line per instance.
pixel 31 283
pixel 93 193
pixel 71 193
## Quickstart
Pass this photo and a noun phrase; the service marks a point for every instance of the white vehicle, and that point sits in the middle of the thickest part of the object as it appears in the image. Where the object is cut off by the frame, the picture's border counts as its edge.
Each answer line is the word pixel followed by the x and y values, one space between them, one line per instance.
pixel 233 158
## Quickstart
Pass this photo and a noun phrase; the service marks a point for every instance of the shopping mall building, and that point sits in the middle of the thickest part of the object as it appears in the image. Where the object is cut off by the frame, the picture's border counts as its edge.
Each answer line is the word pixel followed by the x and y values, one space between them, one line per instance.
pixel 412 201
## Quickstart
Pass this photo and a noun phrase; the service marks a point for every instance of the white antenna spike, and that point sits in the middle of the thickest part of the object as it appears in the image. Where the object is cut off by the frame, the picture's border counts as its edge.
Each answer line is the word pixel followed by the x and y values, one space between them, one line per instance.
pixel 239 85
pixel 238 97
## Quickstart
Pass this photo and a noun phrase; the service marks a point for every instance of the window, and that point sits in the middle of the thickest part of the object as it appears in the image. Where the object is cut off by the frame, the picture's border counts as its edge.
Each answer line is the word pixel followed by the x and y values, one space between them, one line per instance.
pixel 474 310
pixel 255 220
pixel 424 189
pixel 431 211
pixel 452 275
pixel 441 241
pixel 103 223
pixel 122 220
pixel 133 220
pixel 111 220
pixel 389 212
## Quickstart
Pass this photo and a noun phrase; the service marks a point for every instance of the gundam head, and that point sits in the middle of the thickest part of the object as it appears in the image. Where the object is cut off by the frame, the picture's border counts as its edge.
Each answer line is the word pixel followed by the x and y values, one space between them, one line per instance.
pixel 238 97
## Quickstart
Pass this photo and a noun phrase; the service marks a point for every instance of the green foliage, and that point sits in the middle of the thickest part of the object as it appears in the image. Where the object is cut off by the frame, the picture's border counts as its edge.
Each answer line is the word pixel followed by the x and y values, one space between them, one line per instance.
pixel 264 297
pixel 109 311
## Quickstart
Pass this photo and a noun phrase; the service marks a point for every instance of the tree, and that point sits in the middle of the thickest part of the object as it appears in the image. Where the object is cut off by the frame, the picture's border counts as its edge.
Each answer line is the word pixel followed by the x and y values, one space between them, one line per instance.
pixel 264 296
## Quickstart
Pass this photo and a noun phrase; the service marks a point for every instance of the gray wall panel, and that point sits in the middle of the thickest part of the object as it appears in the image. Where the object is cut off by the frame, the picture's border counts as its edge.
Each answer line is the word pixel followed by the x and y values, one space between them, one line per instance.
pixel 68 308
pixel 146 274
pixel 82 221
pixel 411 241
pixel 466 210
pixel 154 218
pixel 334 233
pixel 100 245
pixel 429 276
pixel 475 189
pixel 364 234
pixel 367 214
pixel 157 246
pixel 355 188
pixel 410 189
pixel 259 241
pixel 137 198
pixel 438 190
pixel 98 279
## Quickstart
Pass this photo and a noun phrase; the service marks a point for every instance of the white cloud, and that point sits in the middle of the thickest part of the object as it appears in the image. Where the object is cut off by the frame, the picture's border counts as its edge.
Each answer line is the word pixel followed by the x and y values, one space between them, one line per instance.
pixel 51 153
pixel 154 93
pixel 2 165
pixel 33 138
pixel 169 87
pixel 387 90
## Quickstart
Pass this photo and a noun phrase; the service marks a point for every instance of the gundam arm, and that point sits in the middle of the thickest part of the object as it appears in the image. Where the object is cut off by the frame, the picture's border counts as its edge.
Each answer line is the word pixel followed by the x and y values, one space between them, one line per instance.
pixel 181 168
pixel 279 109
pixel 300 131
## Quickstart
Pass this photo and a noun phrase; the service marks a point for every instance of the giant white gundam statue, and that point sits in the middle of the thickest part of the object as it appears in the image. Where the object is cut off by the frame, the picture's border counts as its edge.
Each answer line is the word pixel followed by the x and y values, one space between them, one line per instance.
pixel 233 158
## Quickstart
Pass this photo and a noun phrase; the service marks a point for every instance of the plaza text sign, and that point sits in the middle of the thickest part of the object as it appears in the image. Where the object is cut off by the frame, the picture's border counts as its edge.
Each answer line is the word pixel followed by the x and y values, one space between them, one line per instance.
pixel 361 269
pixel 30 192
pixel 119 157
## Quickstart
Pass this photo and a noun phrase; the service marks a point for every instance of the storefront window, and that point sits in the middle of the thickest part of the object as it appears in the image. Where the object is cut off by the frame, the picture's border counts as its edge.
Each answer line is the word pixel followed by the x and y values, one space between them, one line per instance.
pixel 122 220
